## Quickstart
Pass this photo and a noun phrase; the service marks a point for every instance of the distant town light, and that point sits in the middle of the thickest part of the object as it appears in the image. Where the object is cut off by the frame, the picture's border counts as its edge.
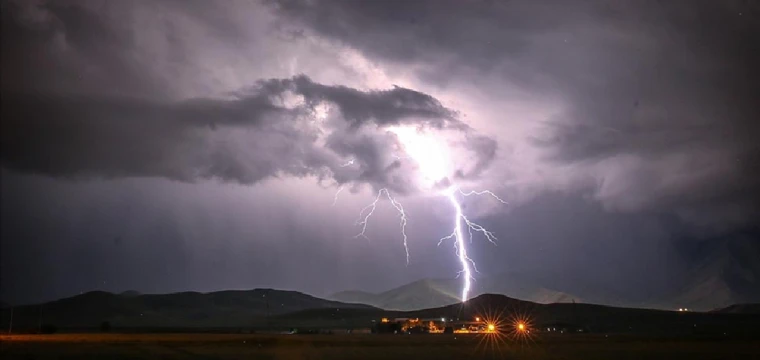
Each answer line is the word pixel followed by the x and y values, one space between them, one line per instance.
pixel 491 327
pixel 384 320
pixel 477 319
pixel 521 326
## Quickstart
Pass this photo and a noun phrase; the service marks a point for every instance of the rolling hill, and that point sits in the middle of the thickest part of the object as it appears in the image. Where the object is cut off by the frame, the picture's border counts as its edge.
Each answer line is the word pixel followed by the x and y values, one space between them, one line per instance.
pixel 186 309
pixel 722 272
pixel 275 309
pixel 417 295
pixel 586 317
pixel 429 293
pixel 741 309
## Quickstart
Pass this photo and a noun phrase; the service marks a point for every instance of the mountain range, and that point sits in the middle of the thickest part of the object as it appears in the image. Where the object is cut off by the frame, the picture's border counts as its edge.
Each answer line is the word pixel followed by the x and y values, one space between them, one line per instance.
pixel 429 293
pixel 276 309
pixel 185 309
pixel 505 312
pixel 722 273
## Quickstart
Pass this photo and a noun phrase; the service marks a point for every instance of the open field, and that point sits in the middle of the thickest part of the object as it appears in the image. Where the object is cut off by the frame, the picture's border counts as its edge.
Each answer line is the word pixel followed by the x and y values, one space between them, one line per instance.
pixel 261 346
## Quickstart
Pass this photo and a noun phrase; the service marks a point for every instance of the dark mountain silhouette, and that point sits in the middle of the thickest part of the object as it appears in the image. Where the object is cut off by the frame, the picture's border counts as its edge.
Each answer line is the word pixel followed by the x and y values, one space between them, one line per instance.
pixel 741 309
pixel 275 309
pixel 722 272
pixel 186 309
pixel 725 271
pixel 431 293
pixel 417 295
pixel 130 293
pixel 507 311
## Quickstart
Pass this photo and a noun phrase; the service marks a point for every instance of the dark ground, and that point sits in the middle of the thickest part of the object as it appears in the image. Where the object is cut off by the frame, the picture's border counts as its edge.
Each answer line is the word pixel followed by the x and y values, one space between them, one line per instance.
pixel 419 347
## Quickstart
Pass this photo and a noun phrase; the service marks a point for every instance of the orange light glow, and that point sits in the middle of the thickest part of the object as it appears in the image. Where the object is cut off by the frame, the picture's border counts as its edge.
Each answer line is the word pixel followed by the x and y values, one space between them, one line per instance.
pixel 491 327
pixel 521 327
pixel 477 319
pixel 385 320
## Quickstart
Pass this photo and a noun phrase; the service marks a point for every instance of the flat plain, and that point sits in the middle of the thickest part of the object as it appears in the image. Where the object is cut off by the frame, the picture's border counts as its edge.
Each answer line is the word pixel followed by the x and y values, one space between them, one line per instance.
pixel 369 346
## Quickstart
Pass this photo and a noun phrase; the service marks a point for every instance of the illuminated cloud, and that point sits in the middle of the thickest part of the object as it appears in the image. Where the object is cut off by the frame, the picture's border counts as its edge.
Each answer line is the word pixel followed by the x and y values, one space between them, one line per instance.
pixel 650 106
pixel 620 127
pixel 269 129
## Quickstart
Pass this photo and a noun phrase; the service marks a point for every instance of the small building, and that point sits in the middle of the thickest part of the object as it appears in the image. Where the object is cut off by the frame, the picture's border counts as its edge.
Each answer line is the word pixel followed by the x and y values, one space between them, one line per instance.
pixel 562 328
pixel 432 326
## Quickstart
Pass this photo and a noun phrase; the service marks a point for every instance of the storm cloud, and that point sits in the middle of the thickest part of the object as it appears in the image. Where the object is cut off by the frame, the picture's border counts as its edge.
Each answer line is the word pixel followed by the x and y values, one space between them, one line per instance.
pixel 656 101
pixel 253 135
pixel 270 128
pixel 194 145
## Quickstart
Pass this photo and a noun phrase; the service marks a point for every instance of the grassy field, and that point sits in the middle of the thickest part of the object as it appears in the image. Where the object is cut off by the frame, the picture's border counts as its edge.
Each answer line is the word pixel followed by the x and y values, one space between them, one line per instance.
pixel 260 346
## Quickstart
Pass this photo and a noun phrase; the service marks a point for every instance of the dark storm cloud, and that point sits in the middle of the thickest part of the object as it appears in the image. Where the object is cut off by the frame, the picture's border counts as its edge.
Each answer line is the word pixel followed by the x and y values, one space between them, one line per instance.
pixel 61 46
pixel 658 98
pixel 111 137
pixel 384 107
pixel 647 107
pixel 116 136
pixel 485 149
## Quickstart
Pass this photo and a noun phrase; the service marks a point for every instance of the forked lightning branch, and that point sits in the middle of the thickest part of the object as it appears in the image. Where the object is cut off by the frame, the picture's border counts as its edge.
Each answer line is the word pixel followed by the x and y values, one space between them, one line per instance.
pixel 432 166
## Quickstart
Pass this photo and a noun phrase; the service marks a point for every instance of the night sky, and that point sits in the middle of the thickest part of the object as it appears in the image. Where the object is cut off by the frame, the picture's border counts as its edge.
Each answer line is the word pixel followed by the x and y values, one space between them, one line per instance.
pixel 165 146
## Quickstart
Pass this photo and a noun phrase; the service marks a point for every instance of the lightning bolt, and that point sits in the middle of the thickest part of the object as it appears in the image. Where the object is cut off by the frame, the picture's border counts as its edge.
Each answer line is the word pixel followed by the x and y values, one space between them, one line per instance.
pixel 433 164
pixel 368 210
pixel 335 198
pixel 468 265
pixel 484 192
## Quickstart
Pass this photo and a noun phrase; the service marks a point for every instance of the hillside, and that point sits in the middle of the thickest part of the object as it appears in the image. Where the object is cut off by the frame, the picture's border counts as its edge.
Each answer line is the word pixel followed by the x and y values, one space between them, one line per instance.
pixel 722 272
pixel 430 293
pixel 588 317
pixel 186 309
pixel 416 295
pixel 741 309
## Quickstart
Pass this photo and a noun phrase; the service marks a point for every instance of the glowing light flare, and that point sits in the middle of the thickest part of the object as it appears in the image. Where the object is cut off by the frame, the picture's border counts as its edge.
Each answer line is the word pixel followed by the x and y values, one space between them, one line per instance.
pixel 503 330
pixel 492 339
pixel 521 327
